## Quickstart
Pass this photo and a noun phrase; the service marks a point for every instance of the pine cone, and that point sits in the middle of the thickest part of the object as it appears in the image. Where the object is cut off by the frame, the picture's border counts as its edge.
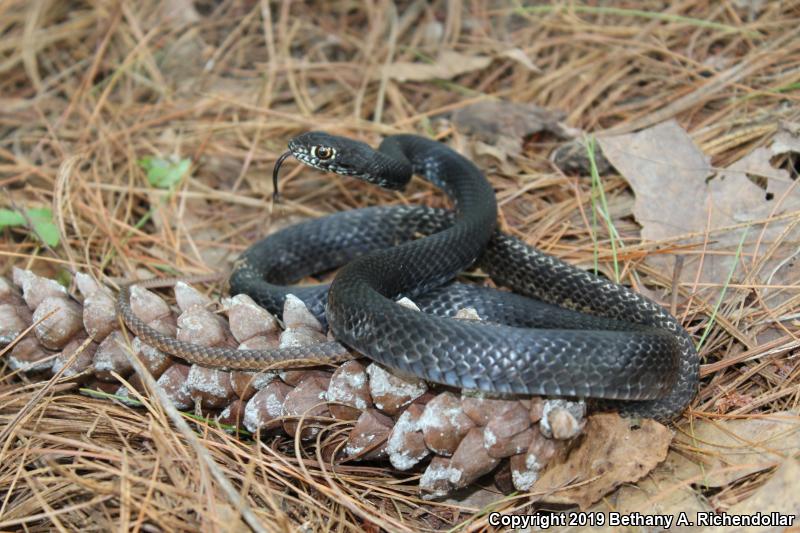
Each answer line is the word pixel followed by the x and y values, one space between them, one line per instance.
pixel 453 437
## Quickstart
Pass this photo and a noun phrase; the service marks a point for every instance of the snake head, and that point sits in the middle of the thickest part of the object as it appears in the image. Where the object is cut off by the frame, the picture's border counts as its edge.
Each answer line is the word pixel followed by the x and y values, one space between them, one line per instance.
pixel 346 157
pixel 331 153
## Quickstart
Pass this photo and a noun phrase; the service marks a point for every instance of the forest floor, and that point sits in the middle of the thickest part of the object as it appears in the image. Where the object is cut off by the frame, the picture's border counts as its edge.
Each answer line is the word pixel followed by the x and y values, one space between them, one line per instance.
pixel 138 139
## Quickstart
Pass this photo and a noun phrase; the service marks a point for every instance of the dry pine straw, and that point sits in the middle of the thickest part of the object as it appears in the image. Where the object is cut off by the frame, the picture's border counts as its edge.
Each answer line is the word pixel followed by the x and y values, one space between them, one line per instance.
pixel 88 90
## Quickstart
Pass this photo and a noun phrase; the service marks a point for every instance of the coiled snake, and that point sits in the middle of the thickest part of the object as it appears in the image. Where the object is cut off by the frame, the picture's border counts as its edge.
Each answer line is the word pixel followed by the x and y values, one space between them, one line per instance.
pixel 565 331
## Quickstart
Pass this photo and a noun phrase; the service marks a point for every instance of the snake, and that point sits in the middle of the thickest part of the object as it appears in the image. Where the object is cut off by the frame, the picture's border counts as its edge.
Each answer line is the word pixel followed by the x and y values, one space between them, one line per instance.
pixel 547 328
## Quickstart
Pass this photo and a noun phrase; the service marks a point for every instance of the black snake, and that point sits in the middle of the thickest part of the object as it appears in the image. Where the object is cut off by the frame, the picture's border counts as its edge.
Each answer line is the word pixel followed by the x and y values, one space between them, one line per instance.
pixel 565 331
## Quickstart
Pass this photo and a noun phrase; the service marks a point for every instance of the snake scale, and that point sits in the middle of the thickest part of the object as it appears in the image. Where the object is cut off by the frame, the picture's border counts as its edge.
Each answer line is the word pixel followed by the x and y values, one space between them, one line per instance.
pixel 561 331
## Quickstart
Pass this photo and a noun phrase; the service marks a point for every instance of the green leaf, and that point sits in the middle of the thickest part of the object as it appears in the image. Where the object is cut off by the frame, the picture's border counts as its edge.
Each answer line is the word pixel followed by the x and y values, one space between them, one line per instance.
pixel 40 217
pixel 164 173
pixel 43 225
pixel 11 218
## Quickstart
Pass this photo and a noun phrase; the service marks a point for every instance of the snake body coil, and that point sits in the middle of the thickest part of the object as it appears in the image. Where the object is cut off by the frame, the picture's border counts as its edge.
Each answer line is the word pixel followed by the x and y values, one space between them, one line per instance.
pixel 566 332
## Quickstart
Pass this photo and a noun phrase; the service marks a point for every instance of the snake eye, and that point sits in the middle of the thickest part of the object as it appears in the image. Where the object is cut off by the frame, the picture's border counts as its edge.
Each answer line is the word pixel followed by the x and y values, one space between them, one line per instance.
pixel 322 152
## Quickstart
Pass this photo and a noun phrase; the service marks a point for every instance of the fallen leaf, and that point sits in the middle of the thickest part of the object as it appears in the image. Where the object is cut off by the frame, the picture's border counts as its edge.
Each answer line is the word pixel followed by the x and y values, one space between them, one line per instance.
pixel 518 55
pixel 612 451
pixel 664 492
pixel 481 148
pixel 678 192
pixel 716 454
pixel 787 139
pixel 504 125
pixel 182 63
pixel 573 158
pixel 722 451
pixel 779 494
pixel 180 11
pixel 447 66
pixel 475 497
pixel 661 164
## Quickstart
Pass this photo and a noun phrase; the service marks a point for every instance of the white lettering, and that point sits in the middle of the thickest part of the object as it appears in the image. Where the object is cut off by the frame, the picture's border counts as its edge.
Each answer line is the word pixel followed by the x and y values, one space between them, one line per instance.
pixel 683 520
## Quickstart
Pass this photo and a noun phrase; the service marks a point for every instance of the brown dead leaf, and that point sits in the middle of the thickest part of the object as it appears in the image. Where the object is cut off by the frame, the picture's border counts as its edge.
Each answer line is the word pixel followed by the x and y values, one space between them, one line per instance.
pixel 504 125
pixel 662 164
pixel 612 451
pixel 183 63
pixel 519 55
pixel 780 494
pixel 668 174
pixel 447 66
pixel 475 497
pixel 741 446
pixel 787 139
pixel 573 158
pixel 181 11
pixel 665 491
pixel 719 452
